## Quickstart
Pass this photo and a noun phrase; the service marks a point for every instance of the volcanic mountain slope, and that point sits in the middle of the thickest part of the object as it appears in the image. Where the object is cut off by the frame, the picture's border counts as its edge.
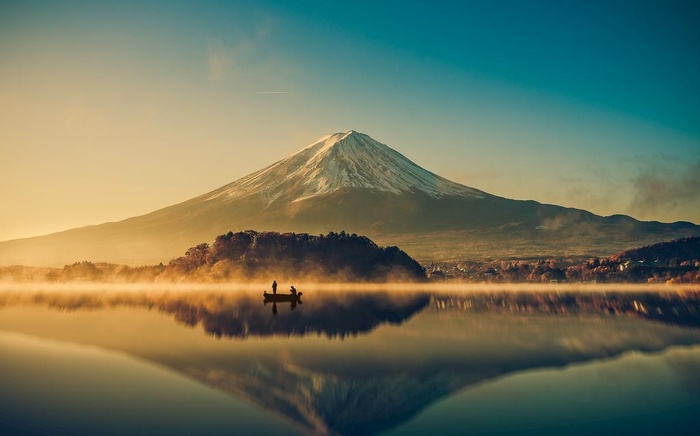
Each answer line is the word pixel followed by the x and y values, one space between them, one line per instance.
pixel 348 181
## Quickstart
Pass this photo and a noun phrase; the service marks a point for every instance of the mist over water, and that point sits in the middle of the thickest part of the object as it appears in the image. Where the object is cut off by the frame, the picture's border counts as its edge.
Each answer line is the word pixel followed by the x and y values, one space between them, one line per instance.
pixel 348 359
pixel 326 287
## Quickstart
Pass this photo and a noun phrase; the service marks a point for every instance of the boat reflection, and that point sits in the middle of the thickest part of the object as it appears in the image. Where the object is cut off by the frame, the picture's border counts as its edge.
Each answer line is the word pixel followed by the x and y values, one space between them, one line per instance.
pixel 293 299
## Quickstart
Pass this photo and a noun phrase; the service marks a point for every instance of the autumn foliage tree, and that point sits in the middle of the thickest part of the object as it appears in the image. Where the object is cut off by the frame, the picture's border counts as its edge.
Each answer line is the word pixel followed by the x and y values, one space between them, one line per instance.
pixel 335 256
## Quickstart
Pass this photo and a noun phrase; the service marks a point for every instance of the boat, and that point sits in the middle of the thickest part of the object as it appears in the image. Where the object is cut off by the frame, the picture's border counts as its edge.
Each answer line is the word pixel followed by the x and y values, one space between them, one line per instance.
pixel 282 297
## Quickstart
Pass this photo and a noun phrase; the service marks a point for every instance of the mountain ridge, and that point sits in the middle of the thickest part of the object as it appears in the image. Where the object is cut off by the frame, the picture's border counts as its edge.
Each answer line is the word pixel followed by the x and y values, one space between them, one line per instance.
pixel 348 181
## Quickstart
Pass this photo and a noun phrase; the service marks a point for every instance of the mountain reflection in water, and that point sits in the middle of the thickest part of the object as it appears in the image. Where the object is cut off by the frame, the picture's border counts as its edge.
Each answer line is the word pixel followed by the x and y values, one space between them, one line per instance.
pixel 402 352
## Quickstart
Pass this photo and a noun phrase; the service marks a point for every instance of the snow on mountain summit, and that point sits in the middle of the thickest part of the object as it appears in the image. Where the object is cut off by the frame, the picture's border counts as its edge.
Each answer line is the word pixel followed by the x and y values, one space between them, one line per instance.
pixel 342 160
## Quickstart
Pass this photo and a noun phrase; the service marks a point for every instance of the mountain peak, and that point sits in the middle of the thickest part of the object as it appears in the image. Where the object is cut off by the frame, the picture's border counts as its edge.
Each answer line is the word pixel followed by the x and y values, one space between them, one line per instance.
pixel 342 160
pixel 349 138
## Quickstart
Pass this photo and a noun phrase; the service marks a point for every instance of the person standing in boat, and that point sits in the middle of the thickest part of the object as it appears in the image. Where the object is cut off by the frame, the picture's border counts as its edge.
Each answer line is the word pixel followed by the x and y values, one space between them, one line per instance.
pixel 274 286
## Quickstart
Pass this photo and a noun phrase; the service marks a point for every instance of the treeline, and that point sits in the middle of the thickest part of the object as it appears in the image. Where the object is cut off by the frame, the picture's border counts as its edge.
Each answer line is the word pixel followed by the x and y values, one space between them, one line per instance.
pixel 84 271
pixel 668 262
pixel 252 255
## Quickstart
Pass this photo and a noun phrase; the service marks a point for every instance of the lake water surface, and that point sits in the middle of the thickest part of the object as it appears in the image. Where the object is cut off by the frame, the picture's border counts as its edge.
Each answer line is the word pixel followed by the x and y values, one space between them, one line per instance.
pixel 211 362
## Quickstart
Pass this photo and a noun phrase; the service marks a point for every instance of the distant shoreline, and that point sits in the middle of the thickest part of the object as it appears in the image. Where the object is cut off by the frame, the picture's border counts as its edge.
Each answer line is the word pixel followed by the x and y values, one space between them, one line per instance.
pixel 327 287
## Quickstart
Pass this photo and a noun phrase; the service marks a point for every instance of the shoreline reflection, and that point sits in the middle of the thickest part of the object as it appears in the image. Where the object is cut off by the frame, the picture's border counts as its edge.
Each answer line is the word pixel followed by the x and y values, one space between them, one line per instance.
pixel 339 314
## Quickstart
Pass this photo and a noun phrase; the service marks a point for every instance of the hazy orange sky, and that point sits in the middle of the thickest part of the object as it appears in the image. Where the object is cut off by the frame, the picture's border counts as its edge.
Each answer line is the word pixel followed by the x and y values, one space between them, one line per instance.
pixel 115 109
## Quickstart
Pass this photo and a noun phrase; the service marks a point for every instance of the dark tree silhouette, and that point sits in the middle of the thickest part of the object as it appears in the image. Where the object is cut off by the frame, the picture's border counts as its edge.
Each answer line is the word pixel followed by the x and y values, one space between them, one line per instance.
pixel 337 256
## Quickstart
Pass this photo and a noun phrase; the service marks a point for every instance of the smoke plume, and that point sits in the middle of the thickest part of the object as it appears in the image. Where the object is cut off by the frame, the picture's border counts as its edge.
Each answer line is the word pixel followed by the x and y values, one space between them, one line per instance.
pixel 658 190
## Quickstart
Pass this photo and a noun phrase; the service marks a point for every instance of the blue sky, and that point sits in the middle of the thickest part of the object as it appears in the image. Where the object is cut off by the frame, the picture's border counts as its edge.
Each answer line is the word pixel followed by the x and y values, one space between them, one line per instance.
pixel 119 108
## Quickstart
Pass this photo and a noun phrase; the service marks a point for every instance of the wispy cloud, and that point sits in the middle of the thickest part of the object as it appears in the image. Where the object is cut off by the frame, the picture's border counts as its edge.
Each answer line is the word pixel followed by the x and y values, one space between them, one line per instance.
pixel 662 187
pixel 594 189
pixel 219 60
pixel 223 59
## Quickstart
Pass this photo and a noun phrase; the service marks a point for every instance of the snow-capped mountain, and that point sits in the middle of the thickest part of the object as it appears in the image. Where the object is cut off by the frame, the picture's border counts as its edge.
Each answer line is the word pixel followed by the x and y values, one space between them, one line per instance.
pixel 342 160
pixel 348 181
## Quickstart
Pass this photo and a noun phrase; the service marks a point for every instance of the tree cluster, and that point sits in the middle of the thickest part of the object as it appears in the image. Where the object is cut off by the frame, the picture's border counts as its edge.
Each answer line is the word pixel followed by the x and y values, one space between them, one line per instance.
pixel 668 262
pixel 252 255
pixel 84 271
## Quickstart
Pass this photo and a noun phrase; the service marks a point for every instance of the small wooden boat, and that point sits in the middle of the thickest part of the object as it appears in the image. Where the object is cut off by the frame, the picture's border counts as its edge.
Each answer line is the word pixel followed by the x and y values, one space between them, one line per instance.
pixel 282 297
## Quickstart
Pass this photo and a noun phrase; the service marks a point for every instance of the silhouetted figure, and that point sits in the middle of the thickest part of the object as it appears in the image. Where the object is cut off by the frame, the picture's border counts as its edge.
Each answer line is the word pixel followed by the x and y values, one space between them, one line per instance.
pixel 293 290
pixel 274 286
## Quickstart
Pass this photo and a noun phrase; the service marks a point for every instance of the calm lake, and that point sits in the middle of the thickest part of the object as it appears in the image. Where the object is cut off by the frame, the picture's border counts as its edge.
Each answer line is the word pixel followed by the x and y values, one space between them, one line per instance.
pixel 158 361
